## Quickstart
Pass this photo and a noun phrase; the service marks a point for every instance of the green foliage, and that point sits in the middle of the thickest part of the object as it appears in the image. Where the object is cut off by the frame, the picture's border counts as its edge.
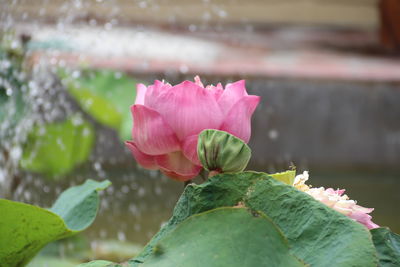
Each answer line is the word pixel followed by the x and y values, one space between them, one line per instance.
pixel 221 151
pixel 25 229
pixel 224 237
pixel 55 149
pixel 99 263
pixel 106 96
pixel 317 235
pixel 41 261
pixel 78 205
pixel 222 191
pixel 13 87
pixel 387 245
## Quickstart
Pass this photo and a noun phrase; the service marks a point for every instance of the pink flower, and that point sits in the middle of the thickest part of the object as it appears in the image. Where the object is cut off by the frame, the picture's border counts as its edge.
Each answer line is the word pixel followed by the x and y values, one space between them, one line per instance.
pixel 337 200
pixel 167 120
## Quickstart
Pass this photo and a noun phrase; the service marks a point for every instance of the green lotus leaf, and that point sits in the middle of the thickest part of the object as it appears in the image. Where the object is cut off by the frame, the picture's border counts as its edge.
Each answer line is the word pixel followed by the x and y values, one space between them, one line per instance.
pixel 286 177
pixel 57 148
pixel 106 95
pixel 317 234
pixel 387 245
pixel 99 263
pixel 25 229
pixel 231 237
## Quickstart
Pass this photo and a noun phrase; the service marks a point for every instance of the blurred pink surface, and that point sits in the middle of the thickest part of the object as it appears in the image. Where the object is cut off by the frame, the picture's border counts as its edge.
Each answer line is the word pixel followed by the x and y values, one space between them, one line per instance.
pixel 287 52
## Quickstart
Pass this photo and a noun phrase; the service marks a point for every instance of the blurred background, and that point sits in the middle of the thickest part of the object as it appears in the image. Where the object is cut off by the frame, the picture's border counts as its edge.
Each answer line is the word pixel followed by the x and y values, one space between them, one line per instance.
pixel 328 73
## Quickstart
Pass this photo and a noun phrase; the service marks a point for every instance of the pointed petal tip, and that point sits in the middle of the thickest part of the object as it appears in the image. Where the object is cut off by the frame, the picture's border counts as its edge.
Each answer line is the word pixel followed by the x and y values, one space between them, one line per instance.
pixel 197 81
pixel 238 119
pixel 141 90
pixel 140 85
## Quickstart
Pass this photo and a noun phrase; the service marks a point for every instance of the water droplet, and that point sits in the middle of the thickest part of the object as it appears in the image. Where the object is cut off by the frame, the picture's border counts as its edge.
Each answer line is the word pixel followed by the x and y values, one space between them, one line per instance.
pixel 118 75
pixel 97 166
pixel 206 16
pixel 141 192
pixel 273 134
pixel 143 4
pixel 183 69
pixel 108 26
pixel 9 91
pixel 222 13
pixel 16 153
pixel 192 27
pixel 3 175
pixel 60 143
pixel 125 189
pixel 46 189
pixel 121 236
pixel 76 74
pixel 92 22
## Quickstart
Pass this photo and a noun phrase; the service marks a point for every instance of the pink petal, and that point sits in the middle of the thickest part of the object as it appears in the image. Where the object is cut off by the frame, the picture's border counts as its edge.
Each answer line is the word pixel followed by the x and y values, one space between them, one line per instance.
pixel 177 166
pixel 371 225
pixel 363 218
pixel 238 120
pixel 189 149
pixel 175 176
pixel 140 93
pixel 151 134
pixel 331 191
pixel 233 93
pixel 197 81
pixel 154 91
pixel 188 109
pixel 216 91
pixel 363 209
pixel 146 161
pixel 340 191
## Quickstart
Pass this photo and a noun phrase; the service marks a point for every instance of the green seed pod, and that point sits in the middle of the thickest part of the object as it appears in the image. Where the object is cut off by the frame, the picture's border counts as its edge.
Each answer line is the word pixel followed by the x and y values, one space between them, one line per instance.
pixel 222 152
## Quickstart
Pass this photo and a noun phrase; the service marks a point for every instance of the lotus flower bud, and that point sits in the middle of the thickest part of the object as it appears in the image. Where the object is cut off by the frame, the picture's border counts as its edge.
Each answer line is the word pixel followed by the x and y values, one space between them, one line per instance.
pixel 220 151
pixel 168 119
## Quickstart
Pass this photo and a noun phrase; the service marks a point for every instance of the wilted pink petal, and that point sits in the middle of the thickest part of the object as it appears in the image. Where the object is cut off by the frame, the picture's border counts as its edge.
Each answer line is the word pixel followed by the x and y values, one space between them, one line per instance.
pixel 146 161
pixel 177 166
pixel 238 120
pixel 336 200
pixel 340 191
pixel 188 109
pixel 363 218
pixel 151 134
pixel 231 95
pixel 189 149
pixel 140 93
pixel 363 209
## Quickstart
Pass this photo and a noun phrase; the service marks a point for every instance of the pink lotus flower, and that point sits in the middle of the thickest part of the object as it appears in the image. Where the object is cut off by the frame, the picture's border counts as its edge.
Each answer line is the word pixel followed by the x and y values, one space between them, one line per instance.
pixel 336 200
pixel 167 120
